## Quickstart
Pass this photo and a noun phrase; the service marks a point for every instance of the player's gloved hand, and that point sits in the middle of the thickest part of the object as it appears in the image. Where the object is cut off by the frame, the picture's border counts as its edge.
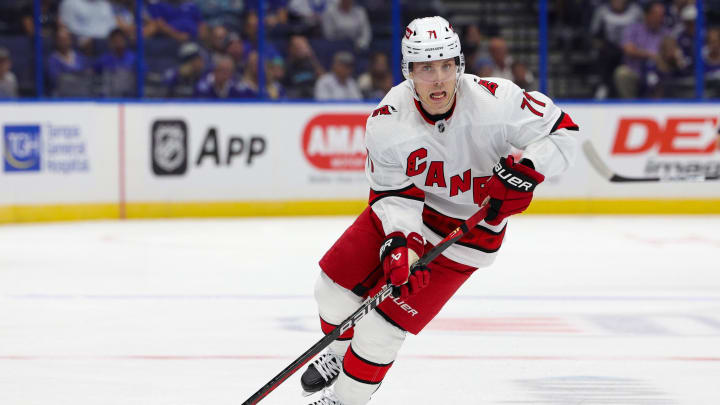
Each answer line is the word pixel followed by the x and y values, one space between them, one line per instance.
pixel 510 189
pixel 397 255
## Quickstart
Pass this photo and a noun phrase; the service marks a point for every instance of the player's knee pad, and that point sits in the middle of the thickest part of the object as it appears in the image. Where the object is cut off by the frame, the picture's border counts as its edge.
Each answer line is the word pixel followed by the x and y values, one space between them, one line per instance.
pixel 367 360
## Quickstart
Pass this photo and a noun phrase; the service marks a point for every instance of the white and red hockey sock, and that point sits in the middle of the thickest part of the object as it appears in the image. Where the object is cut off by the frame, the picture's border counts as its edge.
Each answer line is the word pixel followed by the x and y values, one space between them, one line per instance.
pixel 369 357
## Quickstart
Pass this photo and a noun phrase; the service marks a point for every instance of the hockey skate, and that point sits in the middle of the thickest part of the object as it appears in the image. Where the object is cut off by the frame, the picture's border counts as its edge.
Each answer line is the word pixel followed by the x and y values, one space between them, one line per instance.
pixel 328 398
pixel 321 373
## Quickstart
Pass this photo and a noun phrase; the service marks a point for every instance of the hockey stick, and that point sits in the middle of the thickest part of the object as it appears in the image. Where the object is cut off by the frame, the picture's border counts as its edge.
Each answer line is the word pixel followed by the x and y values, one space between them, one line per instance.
pixel 367 306
pixel 597 163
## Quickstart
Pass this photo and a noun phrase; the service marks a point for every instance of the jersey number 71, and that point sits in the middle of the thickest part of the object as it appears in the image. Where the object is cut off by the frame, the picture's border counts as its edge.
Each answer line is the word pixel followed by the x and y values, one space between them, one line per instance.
pixel 527 98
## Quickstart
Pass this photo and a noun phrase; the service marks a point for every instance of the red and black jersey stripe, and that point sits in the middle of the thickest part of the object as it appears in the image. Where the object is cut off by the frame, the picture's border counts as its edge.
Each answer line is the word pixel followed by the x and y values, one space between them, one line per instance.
pixel 363 370
pixel 564 121
pixel 479 238
pixel 410 192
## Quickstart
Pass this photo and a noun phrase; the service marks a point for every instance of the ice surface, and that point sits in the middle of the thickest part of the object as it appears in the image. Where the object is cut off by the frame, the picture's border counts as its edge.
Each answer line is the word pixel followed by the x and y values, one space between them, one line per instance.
pixel 576 310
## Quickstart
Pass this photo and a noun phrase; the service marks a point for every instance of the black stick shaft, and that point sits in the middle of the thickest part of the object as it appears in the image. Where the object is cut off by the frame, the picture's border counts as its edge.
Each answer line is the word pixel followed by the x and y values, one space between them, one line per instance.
pixel 367 306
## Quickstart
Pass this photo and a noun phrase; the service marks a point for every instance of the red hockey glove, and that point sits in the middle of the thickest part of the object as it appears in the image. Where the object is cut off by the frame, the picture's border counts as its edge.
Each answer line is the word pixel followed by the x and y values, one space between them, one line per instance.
pixel 510 189
pixel 397 254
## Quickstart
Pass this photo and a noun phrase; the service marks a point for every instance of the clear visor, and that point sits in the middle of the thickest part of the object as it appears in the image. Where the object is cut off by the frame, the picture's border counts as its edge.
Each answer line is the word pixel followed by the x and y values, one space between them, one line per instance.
pixel 434 72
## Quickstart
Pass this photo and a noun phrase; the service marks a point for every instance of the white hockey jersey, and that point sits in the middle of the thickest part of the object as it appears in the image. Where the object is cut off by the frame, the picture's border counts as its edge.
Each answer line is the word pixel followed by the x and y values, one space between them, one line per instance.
pixel 425 176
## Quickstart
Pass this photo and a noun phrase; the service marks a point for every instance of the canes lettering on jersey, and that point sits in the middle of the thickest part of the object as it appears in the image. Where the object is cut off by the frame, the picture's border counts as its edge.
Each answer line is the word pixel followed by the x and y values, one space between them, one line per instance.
pixel 435 176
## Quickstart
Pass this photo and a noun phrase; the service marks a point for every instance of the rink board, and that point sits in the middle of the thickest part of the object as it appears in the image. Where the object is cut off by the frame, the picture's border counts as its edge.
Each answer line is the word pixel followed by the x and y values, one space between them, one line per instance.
pixel 64 161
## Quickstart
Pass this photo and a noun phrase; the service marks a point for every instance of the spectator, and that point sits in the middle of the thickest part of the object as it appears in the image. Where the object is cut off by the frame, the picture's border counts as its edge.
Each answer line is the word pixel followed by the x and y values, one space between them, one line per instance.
pixel 180 20
pixel 347 21
pixel 124 11
pixel 374 83
pixel 302 70
pixel 673 16
pixel 48 17
pixel 249 86
pixel 307 15
pixel 473 43
pixel 522 76
pixel 338 84
pixel 711 55
pixel 276 18
pixel 117 67
pixel 249 34
pixel 499 63
pixel 68 71
pixel 662 69
pixel 640 43
pixel 685 37
pixel 8 81
pixel 181 81
pixel 275 72
pixel 607 25
pixel 218 41
pixel 220 84
pixel 88 19
pixel 227 13
pixel 236 50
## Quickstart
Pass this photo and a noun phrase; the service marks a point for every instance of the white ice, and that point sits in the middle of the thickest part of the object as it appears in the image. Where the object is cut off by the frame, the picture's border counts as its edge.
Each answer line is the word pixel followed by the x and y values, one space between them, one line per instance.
pixel 576 310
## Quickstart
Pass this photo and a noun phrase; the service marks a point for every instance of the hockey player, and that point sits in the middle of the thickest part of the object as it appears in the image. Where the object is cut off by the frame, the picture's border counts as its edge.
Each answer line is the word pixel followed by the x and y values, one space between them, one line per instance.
pixel 438 146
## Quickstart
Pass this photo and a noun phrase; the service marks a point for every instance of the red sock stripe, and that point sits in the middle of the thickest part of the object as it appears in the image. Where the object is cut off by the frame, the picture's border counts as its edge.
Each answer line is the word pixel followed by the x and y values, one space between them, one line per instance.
pixel 363 370
pixel 327 328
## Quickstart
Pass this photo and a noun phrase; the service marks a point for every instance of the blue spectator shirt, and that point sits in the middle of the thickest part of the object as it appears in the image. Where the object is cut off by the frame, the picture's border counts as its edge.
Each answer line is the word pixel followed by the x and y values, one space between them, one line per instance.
pixel 270 50
pixel 57 66
pixel 185 17
pixel 712 70
pixel 649 41
pixel 110 62
pixel 205 89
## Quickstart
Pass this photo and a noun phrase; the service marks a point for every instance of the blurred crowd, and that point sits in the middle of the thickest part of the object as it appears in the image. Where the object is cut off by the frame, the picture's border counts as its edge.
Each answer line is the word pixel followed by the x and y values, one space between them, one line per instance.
pixel 648 49
pixel 200 49
pixel 320 49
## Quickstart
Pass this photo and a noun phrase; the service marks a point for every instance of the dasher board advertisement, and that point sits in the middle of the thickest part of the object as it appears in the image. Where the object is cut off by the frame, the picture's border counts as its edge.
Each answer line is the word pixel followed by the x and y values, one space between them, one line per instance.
pixel 230 152
pixel 56 153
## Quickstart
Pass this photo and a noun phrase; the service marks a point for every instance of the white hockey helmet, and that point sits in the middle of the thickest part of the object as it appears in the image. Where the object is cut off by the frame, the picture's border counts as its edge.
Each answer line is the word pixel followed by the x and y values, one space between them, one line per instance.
pixel 430 38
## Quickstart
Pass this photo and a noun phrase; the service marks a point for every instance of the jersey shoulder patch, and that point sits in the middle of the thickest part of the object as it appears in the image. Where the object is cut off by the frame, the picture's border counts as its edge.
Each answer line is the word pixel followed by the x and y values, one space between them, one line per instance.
pixel 488 85
pixel 383 110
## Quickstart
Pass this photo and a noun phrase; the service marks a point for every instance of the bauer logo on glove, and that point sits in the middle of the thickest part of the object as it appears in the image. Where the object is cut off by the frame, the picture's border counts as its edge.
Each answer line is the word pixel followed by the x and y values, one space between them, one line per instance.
pixel 510 189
